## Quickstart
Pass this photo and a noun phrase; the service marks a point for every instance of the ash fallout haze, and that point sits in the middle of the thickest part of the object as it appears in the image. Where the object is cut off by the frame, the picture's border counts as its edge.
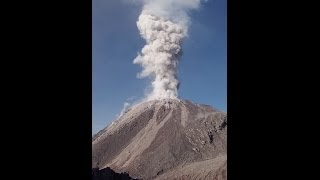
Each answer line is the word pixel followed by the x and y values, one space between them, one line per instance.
pixel 157 49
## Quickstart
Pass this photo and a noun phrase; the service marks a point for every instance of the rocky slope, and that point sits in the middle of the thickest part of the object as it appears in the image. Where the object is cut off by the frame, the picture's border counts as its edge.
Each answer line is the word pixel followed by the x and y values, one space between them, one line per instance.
pixel 165 139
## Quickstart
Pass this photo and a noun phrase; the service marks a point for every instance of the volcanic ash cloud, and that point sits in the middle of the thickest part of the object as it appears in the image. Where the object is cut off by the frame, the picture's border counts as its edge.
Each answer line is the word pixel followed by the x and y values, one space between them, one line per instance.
pixel 160 56
pixel 163 25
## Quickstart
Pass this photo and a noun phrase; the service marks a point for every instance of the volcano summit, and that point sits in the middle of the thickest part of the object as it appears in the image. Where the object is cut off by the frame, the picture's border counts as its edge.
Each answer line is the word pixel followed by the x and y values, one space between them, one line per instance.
pixel 165 139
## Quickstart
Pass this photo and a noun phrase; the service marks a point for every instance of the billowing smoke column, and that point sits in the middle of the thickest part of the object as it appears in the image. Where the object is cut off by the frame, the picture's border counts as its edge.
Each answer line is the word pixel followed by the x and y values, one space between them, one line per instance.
pixel 161 54
pixel 163 24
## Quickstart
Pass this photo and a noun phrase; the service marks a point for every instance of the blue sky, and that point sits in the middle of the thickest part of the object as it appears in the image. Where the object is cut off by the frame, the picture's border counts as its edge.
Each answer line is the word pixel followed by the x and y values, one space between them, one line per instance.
pixel 116 42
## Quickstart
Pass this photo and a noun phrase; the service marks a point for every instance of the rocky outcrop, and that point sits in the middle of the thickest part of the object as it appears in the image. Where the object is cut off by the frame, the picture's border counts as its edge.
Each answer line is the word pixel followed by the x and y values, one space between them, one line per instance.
pixel 109 174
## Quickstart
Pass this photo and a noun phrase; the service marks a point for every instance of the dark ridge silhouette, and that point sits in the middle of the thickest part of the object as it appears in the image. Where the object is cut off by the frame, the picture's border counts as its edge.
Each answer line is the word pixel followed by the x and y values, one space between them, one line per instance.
pixel 109 174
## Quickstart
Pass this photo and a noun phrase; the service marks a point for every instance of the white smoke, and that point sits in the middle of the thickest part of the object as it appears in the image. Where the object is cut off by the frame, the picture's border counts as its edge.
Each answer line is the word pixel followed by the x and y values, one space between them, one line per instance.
pixel 131 101
pixel 163 24
pixel 126 105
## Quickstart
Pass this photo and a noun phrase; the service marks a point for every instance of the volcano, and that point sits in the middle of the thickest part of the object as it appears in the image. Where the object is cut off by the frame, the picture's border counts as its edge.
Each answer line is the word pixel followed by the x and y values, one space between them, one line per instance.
pixel 165 139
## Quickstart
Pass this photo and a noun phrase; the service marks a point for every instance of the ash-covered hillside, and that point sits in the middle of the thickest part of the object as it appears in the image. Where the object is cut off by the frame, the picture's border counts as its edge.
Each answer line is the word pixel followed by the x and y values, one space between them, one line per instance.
pixel 165 139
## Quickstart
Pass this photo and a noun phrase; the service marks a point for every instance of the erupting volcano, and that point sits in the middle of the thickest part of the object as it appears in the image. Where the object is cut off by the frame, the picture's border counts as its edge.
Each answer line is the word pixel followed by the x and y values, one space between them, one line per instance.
pixel 163 137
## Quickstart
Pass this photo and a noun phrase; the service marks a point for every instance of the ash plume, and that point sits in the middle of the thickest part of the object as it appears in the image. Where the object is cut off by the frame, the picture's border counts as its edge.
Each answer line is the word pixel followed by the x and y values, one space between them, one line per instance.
pixel 163 24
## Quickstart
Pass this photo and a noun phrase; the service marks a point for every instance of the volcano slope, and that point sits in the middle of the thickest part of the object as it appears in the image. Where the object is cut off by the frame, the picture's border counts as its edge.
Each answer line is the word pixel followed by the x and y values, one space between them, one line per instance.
pixel 165 139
